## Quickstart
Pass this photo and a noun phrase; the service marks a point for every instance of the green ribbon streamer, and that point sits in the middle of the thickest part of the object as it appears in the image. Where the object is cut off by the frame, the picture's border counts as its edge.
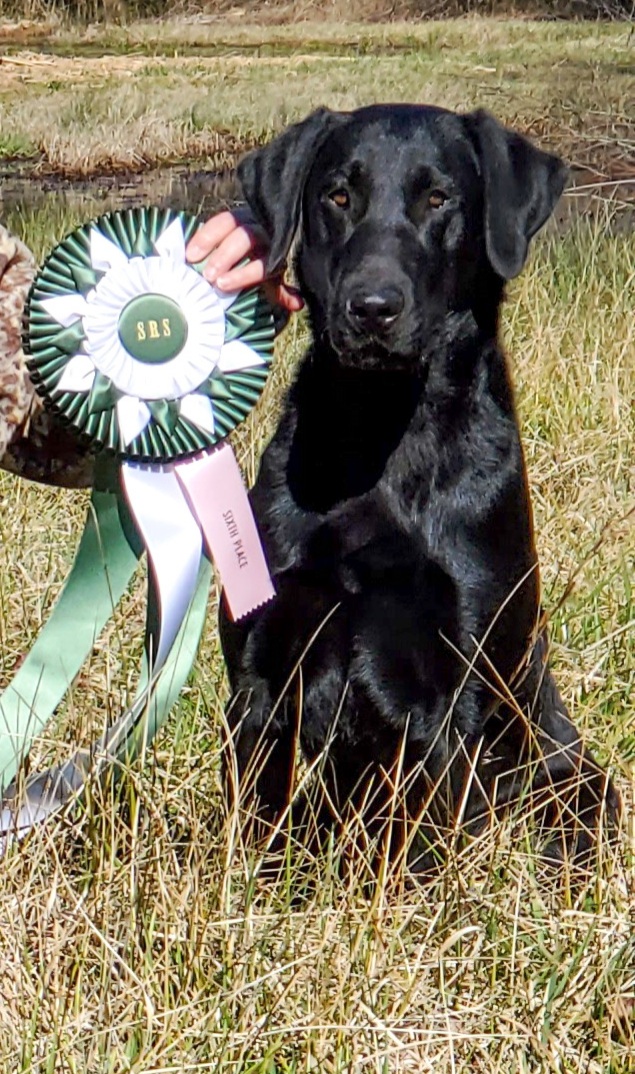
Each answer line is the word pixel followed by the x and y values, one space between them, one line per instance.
pixel 126 740
pixel 106 559
pixel 105 562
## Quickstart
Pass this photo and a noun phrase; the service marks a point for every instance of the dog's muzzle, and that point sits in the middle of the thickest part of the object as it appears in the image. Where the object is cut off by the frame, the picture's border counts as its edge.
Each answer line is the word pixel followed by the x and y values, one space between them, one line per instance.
pixel 374 312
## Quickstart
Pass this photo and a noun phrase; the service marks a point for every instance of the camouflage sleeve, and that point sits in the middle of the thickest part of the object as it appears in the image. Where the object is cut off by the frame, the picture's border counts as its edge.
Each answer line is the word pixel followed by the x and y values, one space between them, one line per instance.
pixel 32 442
pixel 17 271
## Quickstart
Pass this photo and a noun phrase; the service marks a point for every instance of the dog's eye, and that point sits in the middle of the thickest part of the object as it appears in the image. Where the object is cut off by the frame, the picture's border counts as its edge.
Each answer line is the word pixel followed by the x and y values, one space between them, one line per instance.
pixel 436 198
pixel 340 197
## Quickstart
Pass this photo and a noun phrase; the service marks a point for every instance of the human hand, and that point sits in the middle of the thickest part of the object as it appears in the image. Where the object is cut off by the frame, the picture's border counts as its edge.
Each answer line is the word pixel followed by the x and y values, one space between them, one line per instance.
pixel 226 239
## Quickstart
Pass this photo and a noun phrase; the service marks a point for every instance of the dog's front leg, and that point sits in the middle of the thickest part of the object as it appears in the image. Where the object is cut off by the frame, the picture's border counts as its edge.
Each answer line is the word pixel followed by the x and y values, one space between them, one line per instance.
pixel 285 663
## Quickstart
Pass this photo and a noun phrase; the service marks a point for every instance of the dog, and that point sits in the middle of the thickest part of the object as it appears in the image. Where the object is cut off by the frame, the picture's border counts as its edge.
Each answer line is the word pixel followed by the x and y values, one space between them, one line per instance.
pixel 405 648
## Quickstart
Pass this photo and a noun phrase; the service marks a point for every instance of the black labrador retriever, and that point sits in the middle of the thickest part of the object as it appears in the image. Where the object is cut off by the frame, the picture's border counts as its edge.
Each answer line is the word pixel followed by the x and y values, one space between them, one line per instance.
pixel 405 646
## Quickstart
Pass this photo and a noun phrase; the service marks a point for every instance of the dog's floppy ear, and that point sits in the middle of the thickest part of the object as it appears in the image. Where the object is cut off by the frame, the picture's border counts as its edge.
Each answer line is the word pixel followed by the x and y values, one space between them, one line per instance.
pixel 521 187
pixel 273 180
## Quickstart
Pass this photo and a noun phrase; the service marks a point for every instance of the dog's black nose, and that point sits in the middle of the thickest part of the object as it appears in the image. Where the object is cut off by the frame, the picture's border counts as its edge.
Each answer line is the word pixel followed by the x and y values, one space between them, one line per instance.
pixel 375 311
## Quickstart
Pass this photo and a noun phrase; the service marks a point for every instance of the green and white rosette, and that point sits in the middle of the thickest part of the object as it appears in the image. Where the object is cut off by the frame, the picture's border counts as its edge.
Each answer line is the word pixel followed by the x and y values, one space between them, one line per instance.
pixel 134 349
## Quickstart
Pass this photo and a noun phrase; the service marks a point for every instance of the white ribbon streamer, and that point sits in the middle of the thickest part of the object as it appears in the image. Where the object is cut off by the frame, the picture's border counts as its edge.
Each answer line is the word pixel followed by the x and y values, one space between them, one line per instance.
pixel 173 541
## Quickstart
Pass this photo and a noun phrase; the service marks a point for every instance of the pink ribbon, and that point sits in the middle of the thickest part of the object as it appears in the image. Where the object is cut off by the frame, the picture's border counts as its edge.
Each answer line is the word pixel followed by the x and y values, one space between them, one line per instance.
pixel 216 492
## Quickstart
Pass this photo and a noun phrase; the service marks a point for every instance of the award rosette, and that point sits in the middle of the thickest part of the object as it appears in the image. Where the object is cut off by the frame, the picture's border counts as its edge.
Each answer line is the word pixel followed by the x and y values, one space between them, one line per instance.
pixel 137 352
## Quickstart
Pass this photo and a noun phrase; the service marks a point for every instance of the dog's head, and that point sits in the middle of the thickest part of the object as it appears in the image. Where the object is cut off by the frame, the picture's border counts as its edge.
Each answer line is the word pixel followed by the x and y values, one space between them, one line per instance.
pixel 406 214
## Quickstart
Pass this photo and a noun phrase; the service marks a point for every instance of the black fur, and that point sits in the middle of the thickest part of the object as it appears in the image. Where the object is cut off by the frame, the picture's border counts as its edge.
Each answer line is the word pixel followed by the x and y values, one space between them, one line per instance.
pixel 392 499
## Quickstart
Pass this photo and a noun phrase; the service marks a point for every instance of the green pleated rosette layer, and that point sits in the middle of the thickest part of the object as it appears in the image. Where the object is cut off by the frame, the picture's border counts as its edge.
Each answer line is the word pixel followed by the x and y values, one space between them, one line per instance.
pixel 133 349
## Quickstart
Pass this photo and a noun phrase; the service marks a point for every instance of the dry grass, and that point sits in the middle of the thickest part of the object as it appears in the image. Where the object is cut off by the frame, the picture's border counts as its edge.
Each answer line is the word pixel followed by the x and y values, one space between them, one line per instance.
pixel 139 938
pixel 155 92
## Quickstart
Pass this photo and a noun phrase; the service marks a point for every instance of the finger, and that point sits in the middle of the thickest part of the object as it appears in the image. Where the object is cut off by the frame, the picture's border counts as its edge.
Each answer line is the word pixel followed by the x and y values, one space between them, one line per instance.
pixel 281 294
pixel 277 291
pixel 249 275
pixel 239 244
pixel 210 234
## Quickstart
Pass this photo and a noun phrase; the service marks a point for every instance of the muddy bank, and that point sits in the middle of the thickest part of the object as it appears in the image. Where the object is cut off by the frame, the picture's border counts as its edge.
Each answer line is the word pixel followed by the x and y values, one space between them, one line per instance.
pixel 591 193
pixel 174 187
pixel 205 192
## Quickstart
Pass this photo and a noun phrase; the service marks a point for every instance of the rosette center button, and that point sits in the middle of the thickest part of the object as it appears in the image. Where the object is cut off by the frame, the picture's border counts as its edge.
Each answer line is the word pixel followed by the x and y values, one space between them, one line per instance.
pixel 152 328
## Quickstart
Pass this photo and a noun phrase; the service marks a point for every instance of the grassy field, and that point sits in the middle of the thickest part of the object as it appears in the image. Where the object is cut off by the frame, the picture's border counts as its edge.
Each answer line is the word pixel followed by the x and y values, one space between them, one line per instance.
pixel 149 93
pixel 139 937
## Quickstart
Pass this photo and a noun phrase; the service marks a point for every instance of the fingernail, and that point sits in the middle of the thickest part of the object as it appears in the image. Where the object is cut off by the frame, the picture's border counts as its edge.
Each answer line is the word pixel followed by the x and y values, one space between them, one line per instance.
pixel 221 282
pixel 211 273
pixel 193 251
